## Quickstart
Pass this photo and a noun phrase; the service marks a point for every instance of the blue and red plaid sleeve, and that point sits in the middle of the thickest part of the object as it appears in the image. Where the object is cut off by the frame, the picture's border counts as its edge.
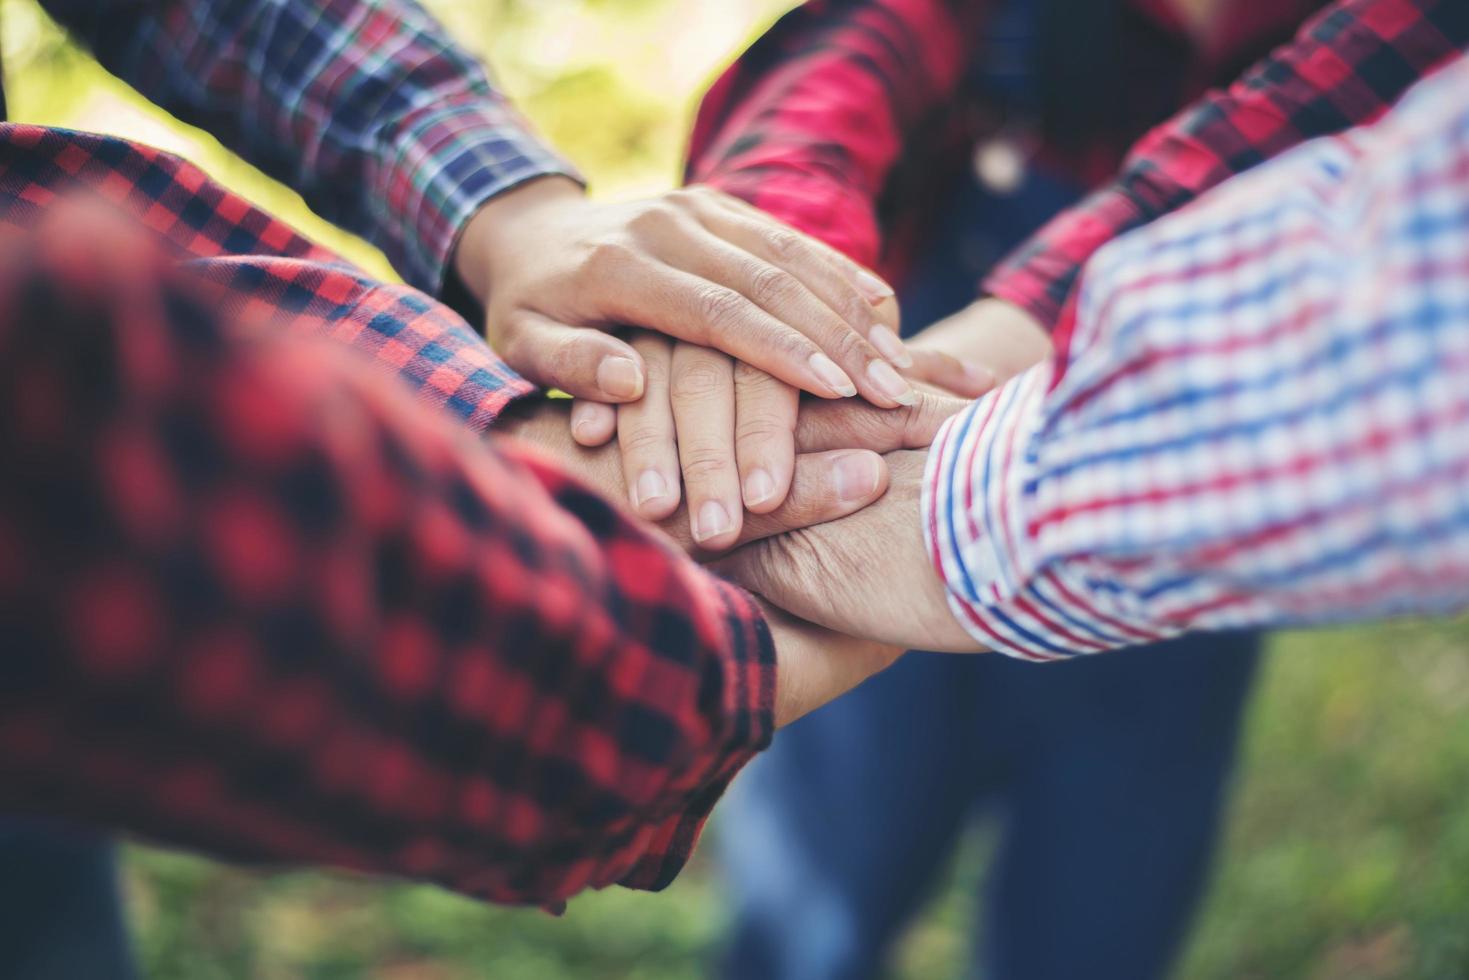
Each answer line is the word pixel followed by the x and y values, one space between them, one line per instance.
pixel 1345 67
pixel 1258 416
pixel 365 107
pixel 256 599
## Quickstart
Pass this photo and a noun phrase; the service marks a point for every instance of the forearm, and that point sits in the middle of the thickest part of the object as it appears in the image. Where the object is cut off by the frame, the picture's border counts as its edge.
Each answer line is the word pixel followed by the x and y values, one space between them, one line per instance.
pixel 366 107
pixel 259 602
pixel 1344 68
pixel 1260 420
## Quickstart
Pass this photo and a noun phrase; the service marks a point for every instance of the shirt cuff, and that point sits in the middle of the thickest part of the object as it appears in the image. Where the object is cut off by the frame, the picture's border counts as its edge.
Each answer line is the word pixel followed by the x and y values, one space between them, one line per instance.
pixel 979 492
pixel 1040 275
pixel 749 713
pixel 450 158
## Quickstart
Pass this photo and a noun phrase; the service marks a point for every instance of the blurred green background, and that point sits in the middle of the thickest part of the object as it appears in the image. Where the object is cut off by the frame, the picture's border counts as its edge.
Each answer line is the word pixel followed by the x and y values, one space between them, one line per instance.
pixel 1347 852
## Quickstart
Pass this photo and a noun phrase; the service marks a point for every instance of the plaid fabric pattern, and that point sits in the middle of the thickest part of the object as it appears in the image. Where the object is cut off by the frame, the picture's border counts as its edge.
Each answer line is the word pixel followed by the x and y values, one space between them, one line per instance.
pixel 839 120
pixel 1261 418
pixel 363 106
pixel 257 600
pixel 267 267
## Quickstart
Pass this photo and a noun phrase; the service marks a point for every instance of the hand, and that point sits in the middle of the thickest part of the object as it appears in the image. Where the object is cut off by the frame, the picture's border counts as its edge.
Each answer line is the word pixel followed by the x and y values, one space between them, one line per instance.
pixel 827 483
pixel 815 665
pixel 693 264
pixel 984 344
pixel 733 430
pixel 868 575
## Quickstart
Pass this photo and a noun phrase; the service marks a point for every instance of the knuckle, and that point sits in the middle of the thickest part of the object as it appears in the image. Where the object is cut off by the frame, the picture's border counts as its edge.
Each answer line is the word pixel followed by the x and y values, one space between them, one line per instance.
pixel 607 256
pixel 848 347
pixel 698 381
pixel 761 428
pixel 783 243
pixel 644 439
pixel 702 464
pixel 655 218
pixel 770 286
pixel 720 308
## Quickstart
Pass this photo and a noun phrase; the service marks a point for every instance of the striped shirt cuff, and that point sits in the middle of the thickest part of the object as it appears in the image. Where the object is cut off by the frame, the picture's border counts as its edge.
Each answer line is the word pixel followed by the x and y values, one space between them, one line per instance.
pixel 978 494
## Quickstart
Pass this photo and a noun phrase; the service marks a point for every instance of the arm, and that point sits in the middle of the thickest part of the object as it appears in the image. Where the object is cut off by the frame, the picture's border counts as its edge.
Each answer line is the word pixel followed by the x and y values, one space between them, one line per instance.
pixel 809 124
pixel 258 601
pixel 1344 68
pixel 389 129
pixel 1261 420
pixel 363 106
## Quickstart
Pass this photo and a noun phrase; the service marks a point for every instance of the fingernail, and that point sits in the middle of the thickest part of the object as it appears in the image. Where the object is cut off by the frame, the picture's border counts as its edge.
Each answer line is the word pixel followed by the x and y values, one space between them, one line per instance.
pixel 890 383
pixel 872 287
pixel 650 486
pixel 982 377
pixel 856 476
pixel 889 346
pixel 620 377
pixel 711 521
pixel 832 376
pixel 759 486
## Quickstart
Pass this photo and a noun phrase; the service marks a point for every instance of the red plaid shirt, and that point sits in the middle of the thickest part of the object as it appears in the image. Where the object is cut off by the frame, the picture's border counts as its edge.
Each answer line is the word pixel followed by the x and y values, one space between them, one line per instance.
pixel 842 119
pixel 254 599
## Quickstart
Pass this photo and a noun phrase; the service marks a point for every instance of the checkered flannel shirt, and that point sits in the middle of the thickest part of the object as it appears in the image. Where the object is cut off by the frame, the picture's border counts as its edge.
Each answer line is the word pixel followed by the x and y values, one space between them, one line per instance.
pixel 263 604
pixel 1259 418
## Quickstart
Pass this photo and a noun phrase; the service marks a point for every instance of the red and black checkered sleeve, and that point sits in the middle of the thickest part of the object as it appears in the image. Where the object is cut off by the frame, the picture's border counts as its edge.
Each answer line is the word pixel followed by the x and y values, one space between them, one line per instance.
pixel 255 599
pixel 1345 67
pixel 809 124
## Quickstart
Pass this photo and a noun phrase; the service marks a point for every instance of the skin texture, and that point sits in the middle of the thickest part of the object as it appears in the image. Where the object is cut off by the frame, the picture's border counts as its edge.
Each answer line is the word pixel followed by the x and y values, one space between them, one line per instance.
pixel 868 574
pixel 814 665
pixel 983 345
pixel 693 264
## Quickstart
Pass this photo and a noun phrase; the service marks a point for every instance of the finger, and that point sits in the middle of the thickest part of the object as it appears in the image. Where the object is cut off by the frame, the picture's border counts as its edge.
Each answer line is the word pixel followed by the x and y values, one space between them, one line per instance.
pixel 878 293
pixel 701 393
pixel 765 446
pixel 825 487
pixel 862 300
pixel 951 374
pixel 646 434
pixel 581 361
pixel 854 425
pixel 673 302
pixel 783 296
pixel 592 423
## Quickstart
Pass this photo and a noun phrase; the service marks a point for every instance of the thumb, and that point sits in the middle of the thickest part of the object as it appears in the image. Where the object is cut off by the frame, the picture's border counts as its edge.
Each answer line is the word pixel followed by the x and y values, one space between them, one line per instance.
pixel 581 361
pixel 966 379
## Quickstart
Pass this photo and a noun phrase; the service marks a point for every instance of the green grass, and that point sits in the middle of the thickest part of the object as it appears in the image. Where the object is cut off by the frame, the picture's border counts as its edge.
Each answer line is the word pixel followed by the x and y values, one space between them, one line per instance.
pixel 1347 856
pixel 1347 852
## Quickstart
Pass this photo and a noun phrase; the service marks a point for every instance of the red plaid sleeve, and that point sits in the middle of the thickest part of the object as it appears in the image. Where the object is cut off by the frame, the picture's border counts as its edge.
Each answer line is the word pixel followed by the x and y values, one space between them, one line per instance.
pixel 365 107
pixel 1345 67
pixel 256 600
pixel 811 121
pixel 270 270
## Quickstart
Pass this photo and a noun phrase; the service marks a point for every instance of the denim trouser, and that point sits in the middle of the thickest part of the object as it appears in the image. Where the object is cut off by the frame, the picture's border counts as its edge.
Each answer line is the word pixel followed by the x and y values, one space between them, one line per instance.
pixel 60 910
pixel 1105 774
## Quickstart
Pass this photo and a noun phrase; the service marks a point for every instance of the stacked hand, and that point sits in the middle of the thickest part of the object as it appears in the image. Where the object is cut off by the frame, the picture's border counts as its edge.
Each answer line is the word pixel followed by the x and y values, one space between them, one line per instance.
pixel 738 316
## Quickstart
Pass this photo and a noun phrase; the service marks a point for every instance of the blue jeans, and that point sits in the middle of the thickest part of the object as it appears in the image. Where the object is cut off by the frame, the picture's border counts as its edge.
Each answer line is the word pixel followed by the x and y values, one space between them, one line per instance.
pixel 1106 774
pixel 60 911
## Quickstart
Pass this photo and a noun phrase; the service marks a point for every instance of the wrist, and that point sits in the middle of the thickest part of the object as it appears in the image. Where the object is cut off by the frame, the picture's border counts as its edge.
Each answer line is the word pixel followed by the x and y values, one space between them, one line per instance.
pixel 496 230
